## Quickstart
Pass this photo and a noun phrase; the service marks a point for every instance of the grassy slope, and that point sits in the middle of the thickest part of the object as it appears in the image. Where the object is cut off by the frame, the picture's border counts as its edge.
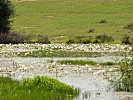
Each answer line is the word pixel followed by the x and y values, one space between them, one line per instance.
pixel 73 17
pixel 39 88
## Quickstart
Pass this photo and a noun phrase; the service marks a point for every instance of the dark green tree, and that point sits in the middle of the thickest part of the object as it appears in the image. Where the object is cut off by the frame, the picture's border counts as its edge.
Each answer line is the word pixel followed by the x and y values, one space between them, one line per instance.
pixel 6 13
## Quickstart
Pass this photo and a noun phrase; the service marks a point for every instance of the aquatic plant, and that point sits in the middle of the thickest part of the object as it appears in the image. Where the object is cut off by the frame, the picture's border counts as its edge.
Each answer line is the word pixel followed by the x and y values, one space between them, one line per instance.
pixel 125 77
pixel 82 62
pixel 125 82
pixel 60 50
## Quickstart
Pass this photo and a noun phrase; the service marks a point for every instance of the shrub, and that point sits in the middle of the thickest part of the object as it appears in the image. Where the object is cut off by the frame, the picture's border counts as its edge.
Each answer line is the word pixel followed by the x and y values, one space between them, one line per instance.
pixel 129 26
pixel 104 38
pixel 43 39
pixel 86 41
pixel 96 40
pixel 127 39
pixel 80 39
pixel 72 40
pixel 91 31
pixel 103 21
pixel 13 37
pixel 125 82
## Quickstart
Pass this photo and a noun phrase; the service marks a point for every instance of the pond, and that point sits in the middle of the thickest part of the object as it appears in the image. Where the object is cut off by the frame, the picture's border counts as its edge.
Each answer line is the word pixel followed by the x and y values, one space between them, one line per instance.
pixel 91 80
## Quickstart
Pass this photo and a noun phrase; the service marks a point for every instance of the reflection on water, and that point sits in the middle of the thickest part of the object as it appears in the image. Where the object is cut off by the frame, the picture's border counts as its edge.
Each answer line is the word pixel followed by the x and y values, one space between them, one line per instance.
pixel 92 87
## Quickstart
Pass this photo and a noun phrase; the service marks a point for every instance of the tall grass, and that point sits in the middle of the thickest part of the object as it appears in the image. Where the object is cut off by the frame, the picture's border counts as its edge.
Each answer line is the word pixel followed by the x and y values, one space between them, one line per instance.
pixel 125 83
pixel 39 88
pixel 125 80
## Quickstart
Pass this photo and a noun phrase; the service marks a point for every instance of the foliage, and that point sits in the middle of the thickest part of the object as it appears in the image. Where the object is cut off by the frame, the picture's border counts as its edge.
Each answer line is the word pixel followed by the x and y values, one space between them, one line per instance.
pixel 91 30
pixel 43 39
pixel 38 88
pixel 127 39
pixel 13 37
pixel 125 83
pixel 85 40
pixel 78 39
pixel 6 12
pixel 50 85
pixel 104 38
pixel 103 21
pixel 129 26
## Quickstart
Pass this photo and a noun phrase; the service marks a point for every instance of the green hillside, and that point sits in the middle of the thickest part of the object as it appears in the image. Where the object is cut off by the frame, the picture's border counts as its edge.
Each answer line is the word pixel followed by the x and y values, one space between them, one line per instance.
pixel 70 18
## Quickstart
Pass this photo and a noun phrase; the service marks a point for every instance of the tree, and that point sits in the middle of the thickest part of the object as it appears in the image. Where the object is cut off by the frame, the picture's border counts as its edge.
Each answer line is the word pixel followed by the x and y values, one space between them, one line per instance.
pixel 6 13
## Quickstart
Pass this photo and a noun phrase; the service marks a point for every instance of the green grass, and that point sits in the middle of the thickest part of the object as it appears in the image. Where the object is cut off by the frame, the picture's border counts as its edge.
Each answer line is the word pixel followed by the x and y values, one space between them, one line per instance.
pixel 81 62
pixel 61 53
pixel 73 18
pixel 39 88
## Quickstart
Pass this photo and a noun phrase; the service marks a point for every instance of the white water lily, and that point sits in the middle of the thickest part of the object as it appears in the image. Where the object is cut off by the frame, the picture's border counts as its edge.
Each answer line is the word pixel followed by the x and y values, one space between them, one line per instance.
pixel 17 48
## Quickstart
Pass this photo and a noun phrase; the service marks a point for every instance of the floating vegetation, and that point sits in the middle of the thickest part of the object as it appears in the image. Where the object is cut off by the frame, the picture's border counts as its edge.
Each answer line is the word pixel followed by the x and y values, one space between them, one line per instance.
pixel 62 50
pixel 82 62
pixel 85 66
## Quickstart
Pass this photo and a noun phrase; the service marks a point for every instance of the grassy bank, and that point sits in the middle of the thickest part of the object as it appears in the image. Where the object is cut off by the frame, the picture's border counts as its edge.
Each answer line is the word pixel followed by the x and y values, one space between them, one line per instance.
pixel 39 88
pixel 60 19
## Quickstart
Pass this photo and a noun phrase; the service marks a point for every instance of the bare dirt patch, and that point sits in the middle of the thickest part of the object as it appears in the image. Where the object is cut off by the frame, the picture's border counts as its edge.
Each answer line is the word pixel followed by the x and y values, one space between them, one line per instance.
pixel 49 16
pixel 27 27
pixel 24 0
pixel 60 37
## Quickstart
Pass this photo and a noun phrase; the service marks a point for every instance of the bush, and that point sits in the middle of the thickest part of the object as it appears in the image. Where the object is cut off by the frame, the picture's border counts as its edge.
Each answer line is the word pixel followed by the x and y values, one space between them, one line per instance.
pixel 86 41
pixel 80 39
pixel 125 83
pixel 103 21
pixel 127 39
pixel 70 41
pixel 96 41
pixel 43 39
pixel 129 26
pixel 104 38
pixel 13 37
pixel 91 31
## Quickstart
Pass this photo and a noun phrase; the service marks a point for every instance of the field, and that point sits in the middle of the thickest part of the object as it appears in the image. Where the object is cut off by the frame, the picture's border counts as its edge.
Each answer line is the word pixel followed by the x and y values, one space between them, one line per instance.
pixel 61 19
pixel 84 68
